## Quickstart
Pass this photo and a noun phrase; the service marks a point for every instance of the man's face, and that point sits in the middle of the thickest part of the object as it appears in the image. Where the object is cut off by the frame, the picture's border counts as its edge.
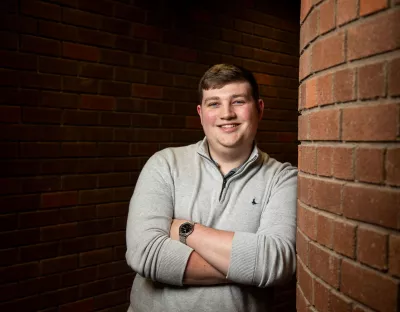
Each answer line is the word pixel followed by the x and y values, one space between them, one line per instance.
pixel 230 116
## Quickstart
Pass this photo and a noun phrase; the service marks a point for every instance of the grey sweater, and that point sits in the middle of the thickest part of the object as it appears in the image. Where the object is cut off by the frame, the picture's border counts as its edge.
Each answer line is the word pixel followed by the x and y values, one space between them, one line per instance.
pixel 257 202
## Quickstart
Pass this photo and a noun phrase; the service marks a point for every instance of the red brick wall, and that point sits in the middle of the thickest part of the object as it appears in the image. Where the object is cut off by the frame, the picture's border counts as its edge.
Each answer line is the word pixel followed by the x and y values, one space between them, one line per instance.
pixel 348 240
pixel 90 89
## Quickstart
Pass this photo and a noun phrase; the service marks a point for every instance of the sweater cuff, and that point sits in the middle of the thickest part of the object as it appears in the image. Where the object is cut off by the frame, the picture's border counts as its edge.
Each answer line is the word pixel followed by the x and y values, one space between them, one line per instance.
pixel 243 258
pixel 172 266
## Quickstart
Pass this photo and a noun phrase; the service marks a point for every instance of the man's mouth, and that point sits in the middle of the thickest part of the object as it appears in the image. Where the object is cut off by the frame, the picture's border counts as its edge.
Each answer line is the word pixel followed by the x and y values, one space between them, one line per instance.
pixel 229 126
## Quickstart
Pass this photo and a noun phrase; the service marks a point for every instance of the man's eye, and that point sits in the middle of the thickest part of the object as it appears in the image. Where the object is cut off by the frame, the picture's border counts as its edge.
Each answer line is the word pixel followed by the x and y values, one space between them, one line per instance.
pixel 239 102
pixel 213 104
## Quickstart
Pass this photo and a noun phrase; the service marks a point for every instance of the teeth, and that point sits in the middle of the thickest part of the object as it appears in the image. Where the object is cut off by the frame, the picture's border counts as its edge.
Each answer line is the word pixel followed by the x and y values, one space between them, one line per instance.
pixel 228 126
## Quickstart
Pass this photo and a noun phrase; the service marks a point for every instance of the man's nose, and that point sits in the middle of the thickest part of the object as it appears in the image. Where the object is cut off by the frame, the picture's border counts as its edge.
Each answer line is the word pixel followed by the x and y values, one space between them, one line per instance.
pixel 227 112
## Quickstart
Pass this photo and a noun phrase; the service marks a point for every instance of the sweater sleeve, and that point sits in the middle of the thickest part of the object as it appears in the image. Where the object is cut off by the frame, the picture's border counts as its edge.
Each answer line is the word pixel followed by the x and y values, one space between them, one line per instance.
pixel 268 256
pixel 150 251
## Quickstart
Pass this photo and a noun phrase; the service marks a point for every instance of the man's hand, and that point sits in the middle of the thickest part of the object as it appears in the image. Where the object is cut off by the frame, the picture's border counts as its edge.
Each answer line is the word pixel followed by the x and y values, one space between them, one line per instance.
pixel 174 231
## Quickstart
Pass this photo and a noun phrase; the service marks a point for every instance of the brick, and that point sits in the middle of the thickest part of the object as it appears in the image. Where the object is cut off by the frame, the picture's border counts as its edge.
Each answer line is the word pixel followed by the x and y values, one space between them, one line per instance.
pixel 301 303
pixel 129 13
pixel 311 27
pixel 41 115
pixel 97 102
pixel 305 8
pixel 8 222
pixel 368 6
pixel 307 159
pixel 393 166
pixel 39 150
pixel 147 91
pixel 325 227
pixel 302 247
pixel 96 71
pixel 59 199
pixel 327 16
pixel 243 26
pixel 77 213
pixel 9 41
pixel 324 125
pixel 368 287
pixel 342 163
pixel 79 149
pixel 10 114
pixel 80 52
pixel 41 184
pixel 328 52
pixel 81 18
pixel 40 81
pixel 370 123
pixel 310 94
pixel 371 81
pixel 110 299
pixel 57 31
pixel 95 257
pixel 369 165
pixel 82 305
pixel 38 218
pixel 37 252
pixel 79 276
pixel 59 264
pixel 75 117
pixel 339 303
pixel 115 88
pixel 326 195
pixel 372 247
pixel 102 7
pixel 58 232
pixel 129 45
pixel 242 51
pixel 305 281
pixel 110 239
pixel 113 269
pixel 40 45
pixel 19 271
pixel 146 32
pixel 9 256
pixel 58 66
pixel 95 38
pixel 114 179
pixel 58 297
pixel 378 29
pixel 307 221
pixel 115 26
pixel 394 250
pixel 11 59
pixel 325 90
pixel 115 57
pixel 95 288
pixel 113 149
pixel 76 245
pixel 41 9
pixel 394 77
pixel 132 75
pixel 81 85
pixel 346 11
pixel 95 196
pixel 58 100
pixel 344 85
pixel 325 265
pixel 371 204
pixel 324 160
pixel 321 296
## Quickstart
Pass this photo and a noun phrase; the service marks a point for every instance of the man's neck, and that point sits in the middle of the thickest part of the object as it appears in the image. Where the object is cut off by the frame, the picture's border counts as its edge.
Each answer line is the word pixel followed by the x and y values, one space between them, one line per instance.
pixel 230 158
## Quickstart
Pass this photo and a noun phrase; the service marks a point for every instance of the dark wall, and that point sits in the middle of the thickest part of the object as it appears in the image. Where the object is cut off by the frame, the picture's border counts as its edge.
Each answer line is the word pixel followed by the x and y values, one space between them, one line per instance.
pixel 89 90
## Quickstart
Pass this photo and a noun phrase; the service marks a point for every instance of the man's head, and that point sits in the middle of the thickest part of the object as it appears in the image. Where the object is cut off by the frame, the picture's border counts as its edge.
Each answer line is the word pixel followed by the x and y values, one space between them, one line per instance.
pixel 230 109
pixel 222 74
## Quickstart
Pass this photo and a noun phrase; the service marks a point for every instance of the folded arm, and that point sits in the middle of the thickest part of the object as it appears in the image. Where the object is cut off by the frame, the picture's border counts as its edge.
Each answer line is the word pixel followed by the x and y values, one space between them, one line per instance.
pixel 264 258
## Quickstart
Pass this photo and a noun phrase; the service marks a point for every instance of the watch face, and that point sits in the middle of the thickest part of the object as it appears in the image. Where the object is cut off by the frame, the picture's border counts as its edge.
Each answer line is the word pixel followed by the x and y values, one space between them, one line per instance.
pixel 186 228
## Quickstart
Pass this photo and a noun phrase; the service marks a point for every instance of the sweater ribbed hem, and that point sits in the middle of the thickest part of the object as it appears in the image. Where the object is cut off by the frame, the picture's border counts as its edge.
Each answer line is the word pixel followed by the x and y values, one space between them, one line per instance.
pixel 172 266
pixel 243 258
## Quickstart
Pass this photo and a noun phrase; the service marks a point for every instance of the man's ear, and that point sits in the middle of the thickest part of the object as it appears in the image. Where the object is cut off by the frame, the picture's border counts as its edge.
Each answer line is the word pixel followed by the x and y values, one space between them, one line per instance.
pixel 199 112
pixel 260 108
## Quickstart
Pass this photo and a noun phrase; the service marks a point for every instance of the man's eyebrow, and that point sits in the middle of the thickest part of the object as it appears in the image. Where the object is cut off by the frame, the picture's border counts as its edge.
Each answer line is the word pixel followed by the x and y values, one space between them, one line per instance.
pixel 239 95
pixel 211 98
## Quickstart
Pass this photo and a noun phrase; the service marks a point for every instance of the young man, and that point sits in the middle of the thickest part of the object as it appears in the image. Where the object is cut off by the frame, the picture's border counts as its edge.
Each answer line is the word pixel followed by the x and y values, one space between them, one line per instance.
pixel 212 224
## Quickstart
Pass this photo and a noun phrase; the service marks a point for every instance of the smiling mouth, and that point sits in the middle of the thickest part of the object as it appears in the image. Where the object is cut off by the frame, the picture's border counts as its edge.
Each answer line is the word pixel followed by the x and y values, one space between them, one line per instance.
pixel 229 126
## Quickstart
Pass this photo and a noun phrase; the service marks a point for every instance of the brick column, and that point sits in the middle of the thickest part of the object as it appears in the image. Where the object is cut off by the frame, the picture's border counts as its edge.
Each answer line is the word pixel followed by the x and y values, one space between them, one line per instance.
pixel 348 240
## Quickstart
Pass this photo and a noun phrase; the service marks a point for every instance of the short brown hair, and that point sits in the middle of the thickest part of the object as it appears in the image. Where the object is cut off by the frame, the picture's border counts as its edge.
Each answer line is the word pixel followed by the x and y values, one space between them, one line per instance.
pixel 222 74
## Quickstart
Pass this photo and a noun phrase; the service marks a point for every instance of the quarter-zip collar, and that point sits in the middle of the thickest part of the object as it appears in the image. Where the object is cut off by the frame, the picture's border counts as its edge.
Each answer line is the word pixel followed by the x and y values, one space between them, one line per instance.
pixel 204 151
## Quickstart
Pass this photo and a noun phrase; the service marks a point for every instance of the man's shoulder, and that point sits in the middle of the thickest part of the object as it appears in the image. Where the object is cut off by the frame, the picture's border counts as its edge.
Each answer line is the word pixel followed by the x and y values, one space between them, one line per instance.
pixel 275 167
pixel 176 155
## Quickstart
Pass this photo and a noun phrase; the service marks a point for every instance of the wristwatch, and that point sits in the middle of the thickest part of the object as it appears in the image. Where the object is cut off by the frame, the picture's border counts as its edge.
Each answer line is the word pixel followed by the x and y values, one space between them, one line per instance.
pixel 185 229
